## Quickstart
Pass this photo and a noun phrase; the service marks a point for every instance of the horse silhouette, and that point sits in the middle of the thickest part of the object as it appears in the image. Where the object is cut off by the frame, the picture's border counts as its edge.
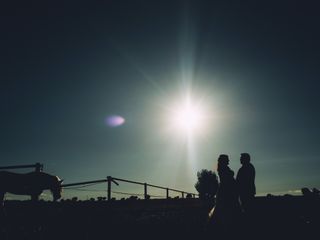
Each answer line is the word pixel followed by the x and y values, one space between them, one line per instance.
pixel 32 184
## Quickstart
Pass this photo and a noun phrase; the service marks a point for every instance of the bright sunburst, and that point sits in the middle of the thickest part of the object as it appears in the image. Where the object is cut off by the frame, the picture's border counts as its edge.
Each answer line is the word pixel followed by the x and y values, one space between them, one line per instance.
pixel 188 117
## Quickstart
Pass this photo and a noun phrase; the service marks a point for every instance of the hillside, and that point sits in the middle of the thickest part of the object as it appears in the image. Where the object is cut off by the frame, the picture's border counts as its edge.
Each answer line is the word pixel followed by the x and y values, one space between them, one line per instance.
pixel 285 216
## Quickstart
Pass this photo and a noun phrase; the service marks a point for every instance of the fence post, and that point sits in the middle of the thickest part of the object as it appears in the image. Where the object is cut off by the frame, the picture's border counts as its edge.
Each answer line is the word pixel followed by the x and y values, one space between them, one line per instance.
pixel 109 179
pixel 39 167
pixel 145 191
pixel 167 193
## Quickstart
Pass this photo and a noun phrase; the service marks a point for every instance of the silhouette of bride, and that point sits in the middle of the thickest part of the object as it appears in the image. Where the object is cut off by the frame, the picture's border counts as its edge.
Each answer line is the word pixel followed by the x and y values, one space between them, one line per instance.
pixel 227 208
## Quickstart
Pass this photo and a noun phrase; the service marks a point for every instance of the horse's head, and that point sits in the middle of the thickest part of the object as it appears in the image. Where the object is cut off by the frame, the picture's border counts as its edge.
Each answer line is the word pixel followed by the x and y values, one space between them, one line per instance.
pixel 56 189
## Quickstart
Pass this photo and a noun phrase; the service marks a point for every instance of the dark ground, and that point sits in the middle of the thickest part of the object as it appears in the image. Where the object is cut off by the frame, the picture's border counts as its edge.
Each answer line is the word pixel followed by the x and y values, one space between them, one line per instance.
pixel 286 217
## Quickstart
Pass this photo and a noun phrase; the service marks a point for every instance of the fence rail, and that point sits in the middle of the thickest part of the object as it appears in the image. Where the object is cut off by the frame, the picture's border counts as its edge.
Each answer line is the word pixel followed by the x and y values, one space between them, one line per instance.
pixel 38 167
pixel 111 180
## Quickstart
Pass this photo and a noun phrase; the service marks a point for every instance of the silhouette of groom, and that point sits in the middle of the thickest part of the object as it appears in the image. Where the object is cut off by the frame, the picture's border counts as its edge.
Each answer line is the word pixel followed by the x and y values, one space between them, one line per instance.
pixel 245 179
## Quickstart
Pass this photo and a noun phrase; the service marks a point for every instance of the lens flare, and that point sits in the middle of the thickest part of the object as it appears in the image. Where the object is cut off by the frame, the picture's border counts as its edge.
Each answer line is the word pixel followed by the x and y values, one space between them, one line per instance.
pixel 114 121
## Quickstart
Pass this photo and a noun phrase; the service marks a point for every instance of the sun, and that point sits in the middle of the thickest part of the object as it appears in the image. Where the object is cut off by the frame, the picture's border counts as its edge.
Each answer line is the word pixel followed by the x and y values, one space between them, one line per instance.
pixel 188 117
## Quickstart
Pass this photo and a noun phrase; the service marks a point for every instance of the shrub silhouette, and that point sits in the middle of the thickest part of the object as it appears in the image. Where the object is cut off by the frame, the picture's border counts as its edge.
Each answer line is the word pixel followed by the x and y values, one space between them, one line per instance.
pixel 207 184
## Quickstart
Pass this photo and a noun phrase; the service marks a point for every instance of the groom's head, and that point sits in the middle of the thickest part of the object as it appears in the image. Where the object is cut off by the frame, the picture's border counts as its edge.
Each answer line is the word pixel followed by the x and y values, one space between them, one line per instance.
pixel 245 158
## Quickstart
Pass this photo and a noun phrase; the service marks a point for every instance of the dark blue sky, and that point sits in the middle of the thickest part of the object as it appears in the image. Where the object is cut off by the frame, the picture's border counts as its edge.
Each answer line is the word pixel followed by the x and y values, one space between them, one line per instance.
pixel 65 67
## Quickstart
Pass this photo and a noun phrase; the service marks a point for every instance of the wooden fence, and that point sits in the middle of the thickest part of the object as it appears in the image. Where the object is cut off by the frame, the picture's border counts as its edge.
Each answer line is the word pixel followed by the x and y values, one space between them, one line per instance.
pixel 111 180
